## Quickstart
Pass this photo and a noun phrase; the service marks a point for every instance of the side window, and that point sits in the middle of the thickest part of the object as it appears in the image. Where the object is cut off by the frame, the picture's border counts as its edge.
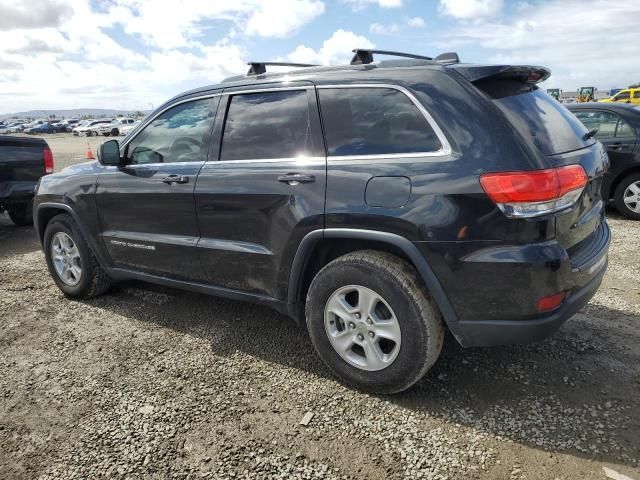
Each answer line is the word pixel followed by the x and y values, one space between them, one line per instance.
pixel 604 122
pixel 268 125
pixel 374 121
pixel 624 95
pixel 176 135
pixel 624 129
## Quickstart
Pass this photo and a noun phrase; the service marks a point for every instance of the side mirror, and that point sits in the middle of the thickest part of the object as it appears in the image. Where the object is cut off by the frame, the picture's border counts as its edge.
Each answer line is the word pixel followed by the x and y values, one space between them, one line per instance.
pixel 109 153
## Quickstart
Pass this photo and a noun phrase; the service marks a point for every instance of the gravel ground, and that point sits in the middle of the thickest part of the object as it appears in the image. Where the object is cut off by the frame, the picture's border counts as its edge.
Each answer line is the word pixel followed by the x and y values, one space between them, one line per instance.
pixel 148 382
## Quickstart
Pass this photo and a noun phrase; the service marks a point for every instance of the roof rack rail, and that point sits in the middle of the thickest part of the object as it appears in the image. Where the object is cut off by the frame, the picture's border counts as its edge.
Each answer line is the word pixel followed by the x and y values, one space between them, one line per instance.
pixel 258 68
pixel 365 56
pixel 449 57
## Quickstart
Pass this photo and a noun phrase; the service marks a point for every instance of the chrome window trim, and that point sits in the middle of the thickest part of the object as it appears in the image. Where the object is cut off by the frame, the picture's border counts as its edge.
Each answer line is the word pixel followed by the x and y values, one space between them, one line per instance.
pixel 144 124
pixel 268 89
pixel 306 160
pixel 445 149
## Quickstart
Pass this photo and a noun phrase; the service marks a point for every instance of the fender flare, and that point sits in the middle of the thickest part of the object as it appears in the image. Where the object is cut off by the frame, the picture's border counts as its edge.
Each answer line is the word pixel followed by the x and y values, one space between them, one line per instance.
pixel 432 283
pixel 97 251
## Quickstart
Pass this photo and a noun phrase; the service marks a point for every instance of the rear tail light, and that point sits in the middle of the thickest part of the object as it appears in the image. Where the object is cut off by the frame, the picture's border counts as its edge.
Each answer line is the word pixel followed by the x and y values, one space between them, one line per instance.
pixel 48 160
pixel 546 304
pixel 535 192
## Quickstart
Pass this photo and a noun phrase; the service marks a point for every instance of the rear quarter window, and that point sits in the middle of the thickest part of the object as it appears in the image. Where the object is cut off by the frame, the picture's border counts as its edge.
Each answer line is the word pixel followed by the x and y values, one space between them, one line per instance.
pixel 537 116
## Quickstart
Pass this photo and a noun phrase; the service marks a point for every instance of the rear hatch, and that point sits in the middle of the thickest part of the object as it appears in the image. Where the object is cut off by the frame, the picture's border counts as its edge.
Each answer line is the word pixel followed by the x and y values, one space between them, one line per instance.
pixel 556 133
pixel 21 159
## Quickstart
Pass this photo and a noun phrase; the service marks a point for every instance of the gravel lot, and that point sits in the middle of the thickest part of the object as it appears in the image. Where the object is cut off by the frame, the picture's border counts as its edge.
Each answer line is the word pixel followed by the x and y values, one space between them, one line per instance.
pixel 148 382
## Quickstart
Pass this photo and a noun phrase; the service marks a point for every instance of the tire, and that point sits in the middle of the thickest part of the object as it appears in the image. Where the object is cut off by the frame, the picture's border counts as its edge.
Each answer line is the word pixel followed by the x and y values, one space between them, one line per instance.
pixel 401 295
pixel 107 134
pixel 93 280
pixel 21 215
pixel 624 189
pixel 114 132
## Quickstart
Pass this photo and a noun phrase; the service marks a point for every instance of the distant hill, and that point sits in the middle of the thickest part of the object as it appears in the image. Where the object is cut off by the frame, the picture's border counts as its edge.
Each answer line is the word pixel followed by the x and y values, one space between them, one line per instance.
pixel 72 113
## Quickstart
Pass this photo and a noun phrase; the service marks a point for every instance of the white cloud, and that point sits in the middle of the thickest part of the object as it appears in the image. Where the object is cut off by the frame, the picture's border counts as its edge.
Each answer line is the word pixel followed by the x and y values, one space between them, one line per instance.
pixel 470 9
pixel 335 50
pixel 416 22
pixel 280 19
pixel 61 55
pixel 379 29
pixel 358 5
pixel 581 52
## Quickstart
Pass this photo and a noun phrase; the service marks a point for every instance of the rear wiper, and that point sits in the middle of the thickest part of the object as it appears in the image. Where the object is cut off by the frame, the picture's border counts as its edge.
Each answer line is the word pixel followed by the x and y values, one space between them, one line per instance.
pixel 590 134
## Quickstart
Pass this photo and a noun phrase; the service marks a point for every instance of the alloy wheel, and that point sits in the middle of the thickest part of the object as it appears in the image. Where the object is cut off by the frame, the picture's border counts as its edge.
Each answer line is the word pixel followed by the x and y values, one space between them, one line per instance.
pixel 362 327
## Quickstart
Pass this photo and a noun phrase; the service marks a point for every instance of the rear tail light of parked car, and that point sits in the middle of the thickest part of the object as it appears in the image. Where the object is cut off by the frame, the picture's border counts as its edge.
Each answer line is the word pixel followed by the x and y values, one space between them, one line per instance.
pixel 535 192
pixel 48 160
pixel 551 302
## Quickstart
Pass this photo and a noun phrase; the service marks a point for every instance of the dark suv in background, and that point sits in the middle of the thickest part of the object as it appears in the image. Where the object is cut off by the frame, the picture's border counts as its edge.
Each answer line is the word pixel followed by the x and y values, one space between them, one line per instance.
pixel 617 127
pixel 380 202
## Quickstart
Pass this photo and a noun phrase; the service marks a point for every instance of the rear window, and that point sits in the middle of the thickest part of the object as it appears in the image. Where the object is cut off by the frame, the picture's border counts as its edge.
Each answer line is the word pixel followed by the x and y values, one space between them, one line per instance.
pixel 374 121
pixel 537 116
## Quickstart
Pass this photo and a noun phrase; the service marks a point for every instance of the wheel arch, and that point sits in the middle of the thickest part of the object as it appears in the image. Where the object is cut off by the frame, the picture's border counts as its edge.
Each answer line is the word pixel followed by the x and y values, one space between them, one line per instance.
pixel 321 246
pixel 47 210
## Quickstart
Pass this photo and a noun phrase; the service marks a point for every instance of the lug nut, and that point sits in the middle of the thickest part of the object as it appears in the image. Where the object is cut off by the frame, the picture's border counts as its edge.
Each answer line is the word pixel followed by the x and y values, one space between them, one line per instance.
pixel 358 316
pixel 369 321
pixel 352 325
pixel 360 337
pixel 371 334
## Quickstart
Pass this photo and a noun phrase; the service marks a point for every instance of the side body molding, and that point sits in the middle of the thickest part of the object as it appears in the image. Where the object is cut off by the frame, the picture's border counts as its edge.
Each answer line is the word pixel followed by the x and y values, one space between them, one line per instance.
pixel 436 291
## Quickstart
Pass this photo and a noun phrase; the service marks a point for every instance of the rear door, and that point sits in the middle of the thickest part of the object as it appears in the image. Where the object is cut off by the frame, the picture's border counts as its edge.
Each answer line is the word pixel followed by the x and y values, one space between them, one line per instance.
pixel 147 207
pixel 612 131
pixel 263 190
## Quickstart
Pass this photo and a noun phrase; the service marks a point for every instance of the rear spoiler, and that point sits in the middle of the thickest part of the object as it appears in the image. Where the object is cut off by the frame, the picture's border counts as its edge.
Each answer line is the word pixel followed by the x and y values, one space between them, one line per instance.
pixel 525 73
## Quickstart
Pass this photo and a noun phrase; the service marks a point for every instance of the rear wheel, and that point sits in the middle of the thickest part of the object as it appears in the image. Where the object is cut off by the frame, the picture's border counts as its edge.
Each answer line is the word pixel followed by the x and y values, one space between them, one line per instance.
pixel 115 132
pixel 21 215
pixel 627 196
pixel 372 322
pixel 72 264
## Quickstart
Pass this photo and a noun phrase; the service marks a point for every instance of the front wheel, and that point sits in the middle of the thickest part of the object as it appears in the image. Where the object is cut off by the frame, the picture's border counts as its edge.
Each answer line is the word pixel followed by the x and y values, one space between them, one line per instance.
pixel 627 196
pixel 372 322
pixel 71 263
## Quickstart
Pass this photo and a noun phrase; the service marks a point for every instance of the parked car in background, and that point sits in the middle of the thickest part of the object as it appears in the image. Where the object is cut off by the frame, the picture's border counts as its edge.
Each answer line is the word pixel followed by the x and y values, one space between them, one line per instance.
pixel 70 124
pixel 381 206
pixel 126 129
pixel 46 127
pixel 113 128
pixel 16 128
pixel 4 129
pixel 22 162
pixel 617 127
pixel 90 127
pixel 626 95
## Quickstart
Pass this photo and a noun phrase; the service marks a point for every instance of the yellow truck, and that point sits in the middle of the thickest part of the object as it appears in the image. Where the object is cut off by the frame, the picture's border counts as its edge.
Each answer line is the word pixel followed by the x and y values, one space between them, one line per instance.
pixel 626 95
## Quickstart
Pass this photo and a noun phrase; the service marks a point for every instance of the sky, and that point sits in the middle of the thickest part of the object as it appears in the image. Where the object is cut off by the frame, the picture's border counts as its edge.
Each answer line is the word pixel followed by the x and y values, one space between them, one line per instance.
pixel 132 54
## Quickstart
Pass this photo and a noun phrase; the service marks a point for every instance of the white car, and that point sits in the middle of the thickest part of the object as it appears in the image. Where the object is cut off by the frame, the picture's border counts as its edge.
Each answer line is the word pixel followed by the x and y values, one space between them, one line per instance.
pixel 4 129
pixel 90 127
pixel 126 129
pixel 114 127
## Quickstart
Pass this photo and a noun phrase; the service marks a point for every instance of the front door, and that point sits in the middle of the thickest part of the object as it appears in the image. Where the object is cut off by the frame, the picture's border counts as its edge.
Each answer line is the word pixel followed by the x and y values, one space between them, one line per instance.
pixel 265 189
pixel 147 207
pixel 616 135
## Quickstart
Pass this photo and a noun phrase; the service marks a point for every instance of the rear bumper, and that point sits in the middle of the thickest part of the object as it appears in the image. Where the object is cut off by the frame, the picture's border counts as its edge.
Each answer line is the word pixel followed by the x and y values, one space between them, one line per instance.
pixel 485 333
pixel 494 290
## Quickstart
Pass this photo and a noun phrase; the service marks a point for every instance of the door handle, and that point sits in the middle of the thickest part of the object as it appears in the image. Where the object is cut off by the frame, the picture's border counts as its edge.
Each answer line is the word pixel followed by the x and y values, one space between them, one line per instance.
pixel 296 178
pixel 171 179
pixel 615 146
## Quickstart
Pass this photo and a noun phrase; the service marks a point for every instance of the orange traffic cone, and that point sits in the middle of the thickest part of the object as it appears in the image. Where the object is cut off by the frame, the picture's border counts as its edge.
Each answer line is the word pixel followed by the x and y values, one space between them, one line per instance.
pixel 90 153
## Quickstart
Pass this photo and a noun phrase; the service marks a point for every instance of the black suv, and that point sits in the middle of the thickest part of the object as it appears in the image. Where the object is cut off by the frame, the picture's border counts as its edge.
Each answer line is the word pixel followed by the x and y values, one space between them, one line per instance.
pixel 379 202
